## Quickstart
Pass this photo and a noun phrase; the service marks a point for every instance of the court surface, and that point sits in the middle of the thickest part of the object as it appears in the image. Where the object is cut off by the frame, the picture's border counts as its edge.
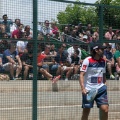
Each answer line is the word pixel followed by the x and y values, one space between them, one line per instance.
pixel 16 100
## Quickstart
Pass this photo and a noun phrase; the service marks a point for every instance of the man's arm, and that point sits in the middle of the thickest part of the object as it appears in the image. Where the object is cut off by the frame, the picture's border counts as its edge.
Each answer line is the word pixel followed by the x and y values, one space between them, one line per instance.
pixel 19 61
pixel 81 81
pixel 10 60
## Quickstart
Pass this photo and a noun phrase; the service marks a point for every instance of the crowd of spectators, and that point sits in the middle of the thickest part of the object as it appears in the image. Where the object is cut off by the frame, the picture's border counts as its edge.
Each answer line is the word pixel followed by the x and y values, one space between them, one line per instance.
pixel 16 54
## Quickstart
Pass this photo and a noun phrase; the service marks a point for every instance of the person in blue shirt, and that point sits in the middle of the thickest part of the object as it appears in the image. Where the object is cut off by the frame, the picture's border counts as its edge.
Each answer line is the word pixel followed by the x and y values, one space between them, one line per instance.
pixel 11 61
pixel 7 24
pixel 108 56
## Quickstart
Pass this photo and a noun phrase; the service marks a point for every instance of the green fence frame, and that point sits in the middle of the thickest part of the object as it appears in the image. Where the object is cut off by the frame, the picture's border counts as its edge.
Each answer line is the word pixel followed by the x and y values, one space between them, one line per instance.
pixel 35 11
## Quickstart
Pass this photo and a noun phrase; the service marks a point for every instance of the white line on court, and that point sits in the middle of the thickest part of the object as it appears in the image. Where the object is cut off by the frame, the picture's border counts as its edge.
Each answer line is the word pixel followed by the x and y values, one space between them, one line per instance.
pixel 42 107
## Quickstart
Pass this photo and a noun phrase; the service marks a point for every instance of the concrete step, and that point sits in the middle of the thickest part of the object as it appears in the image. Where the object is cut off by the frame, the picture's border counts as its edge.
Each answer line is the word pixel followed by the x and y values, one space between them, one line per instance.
pixel 45 85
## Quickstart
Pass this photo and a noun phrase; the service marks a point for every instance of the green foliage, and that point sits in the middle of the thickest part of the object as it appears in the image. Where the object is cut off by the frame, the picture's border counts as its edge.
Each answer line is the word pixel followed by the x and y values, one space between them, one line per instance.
pixel 111 14
pixel 75 14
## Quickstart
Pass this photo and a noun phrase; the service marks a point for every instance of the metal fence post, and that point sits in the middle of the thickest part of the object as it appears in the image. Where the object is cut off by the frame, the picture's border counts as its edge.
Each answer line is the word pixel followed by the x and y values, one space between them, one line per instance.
pixel 34 95
pixel 100 34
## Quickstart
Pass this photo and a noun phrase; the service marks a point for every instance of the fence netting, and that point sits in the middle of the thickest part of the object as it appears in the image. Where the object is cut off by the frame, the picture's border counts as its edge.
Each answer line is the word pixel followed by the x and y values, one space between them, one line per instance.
pixel 65 33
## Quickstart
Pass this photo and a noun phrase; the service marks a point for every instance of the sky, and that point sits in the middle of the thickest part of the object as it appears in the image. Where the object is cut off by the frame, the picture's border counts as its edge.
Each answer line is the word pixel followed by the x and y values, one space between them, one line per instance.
pixel 22 9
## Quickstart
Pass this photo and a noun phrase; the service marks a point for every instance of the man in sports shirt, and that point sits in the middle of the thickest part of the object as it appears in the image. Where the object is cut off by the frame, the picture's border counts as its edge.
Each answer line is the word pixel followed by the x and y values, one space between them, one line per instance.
pixel 92 76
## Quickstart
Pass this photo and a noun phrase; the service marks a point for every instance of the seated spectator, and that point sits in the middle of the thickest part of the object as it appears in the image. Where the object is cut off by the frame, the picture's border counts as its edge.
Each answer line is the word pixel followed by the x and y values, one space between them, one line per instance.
pixel 108 56
pixel 73 36
pixel 75 63
pixel 21 47
pixel 46 74
pixel 117 58
pixel 18 33
pixel 2 30
pixel 48 61
pixel 28 33
pixel 7 24
pixel 65 34
pixel 55 30
pixel 15 25
pixel 109 36
pixel 80 29
pixel 71 51
pixel 96 33
pixel 52 49
pixel 89 28
pixel 27 62
pixel 61 64
pixel 12 62
pixel 46 30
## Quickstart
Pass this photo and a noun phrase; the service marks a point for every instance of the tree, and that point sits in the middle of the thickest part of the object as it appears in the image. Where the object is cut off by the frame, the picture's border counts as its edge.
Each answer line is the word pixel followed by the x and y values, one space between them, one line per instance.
pixel 111 14
pixel 75 14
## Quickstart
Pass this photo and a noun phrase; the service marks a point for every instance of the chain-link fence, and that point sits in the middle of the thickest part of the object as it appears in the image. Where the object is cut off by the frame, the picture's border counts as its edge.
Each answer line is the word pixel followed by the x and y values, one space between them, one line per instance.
pixel 42 46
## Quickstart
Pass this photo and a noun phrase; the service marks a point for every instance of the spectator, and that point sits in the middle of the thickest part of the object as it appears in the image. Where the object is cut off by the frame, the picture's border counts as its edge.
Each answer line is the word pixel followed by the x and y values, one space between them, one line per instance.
pixel 117 58
pixel 15 25
pixel 109 35
pixel 89 28
pixel 18 33
pixel 71 51
pixel 46 30
pixel 2 30
pixel 108 56
pixel 7 24
pixel 52 49
pixel 96 33
pixel 40 63
pixel 80 29
pixel 73 37
pixel 12 62
pixel 48 61
pixel 28 33
pixel 65 34
pixel 55 30
pixel 27 62
pixel 75 63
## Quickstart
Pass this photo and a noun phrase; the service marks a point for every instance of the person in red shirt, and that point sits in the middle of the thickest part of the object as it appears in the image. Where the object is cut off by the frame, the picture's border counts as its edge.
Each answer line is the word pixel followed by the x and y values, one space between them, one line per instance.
pixel 40 62
pixel 18 33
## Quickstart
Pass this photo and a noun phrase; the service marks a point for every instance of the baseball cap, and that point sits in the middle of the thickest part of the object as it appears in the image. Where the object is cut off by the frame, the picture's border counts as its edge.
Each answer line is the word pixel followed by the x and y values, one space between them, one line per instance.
pixel 98 46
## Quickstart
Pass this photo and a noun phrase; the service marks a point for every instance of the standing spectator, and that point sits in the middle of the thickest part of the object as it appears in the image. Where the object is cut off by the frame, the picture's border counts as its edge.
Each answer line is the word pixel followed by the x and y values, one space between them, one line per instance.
pixel 18 34
pixel 11 56
pixel 7 24
pixel 108 56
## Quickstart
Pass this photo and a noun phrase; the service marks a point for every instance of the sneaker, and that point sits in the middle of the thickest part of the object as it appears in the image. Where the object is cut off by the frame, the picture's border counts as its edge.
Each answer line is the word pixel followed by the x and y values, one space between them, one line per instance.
pixel 55 79
pixel 17 78
pixel 66 79
pixel 112 77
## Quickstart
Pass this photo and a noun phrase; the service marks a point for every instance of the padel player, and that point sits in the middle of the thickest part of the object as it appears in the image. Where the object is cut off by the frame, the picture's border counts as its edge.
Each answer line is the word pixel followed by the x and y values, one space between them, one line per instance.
pixel 92 76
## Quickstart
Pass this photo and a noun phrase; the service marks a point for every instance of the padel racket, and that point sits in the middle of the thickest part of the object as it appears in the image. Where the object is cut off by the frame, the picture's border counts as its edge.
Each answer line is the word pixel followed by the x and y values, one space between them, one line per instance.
pixel 91 94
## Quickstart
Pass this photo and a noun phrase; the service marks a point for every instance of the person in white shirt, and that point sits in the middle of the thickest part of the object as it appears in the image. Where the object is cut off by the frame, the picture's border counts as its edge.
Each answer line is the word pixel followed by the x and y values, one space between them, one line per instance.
pixel 92 76
pixel 71 51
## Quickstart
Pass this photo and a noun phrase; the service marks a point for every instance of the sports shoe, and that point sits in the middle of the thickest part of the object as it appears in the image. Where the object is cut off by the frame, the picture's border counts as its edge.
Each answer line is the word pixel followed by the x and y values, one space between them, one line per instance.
pixel 112 77
pixel 55 79
pixel 17 78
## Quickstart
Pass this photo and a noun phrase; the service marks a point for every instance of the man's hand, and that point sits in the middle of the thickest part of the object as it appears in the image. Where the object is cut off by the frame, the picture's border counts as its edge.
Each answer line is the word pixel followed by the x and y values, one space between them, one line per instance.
pixel 84 91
